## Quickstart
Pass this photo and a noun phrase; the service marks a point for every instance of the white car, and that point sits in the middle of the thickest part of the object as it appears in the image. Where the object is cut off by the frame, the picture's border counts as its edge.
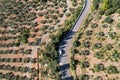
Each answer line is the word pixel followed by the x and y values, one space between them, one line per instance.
pixel 60 52
pixel 60 63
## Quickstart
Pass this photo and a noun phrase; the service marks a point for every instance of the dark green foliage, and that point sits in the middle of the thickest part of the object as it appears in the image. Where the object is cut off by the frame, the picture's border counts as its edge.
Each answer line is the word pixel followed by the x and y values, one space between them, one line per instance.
pixel 108 47
pixel 97 45
pixel 85 64
pixel 43 21
pixel 89 32
pixel 108 20
pixel 115 4
pixel 112 70
pixel 118 11
pixel 76 43
pixel 74 51
pixel 94 25
pixel 86 52
pixel 96 4
pixel 109 11
pixel 99 67
pixel 86 44
pixel 101 12
pixel 112 35
pixel 84 77
pixel 101 34
pixel 115 56
pixel 105 26
pixel 72 63
pixel 24 35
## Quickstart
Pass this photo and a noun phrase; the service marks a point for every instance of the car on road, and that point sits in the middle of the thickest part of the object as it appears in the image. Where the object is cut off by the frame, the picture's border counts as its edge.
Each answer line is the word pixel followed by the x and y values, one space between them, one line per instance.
pixel 60 52
pixel 60 63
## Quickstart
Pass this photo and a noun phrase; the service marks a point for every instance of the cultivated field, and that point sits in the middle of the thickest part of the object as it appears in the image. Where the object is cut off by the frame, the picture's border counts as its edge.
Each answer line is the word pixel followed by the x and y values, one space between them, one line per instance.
pixel 23 23
pixel 95 53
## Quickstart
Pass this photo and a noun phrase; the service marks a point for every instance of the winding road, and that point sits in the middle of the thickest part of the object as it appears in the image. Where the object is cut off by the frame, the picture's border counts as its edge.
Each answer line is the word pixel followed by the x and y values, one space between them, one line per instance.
pixel 66 43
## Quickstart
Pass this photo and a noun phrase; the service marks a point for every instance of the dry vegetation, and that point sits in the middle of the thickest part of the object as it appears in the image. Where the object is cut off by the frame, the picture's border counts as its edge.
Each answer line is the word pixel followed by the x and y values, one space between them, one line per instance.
pixel 96 53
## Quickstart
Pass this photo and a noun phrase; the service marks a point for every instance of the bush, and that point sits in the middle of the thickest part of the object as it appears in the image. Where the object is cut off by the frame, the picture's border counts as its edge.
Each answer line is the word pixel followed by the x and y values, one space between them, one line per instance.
pixel 101 34
pixel 108 46
pixel 86 52
pixel 86 44
pixel 85 64
pixel 115 56
pixel 94 25
pixel 112 35
pixel 99 55
pixel 104 25
pixel 84 77
pixel 108 20
pixel 76 43
pixel 24 35
pixel 97 45
pixel 109 12
pixel 112 70
pixel 89 32
pixel 74 51
pixel 43 21
pixel 96 4
pixel 118 11
pixel 68 14
pixel 99 67
pixel 101 12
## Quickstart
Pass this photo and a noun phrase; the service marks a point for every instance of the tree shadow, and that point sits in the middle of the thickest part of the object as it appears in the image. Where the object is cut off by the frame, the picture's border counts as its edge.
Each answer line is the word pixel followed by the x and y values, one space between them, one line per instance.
pixel 70 35
pixel 68 78
pixel 64 67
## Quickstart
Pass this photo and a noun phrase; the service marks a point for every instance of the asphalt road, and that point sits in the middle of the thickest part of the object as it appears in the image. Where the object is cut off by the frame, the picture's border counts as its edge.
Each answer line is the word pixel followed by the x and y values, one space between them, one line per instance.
pixel 66 43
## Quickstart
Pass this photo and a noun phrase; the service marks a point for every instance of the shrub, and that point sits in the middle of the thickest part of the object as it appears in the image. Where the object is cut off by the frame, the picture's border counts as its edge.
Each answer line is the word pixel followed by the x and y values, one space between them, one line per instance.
pixel 86 44
pixel 85 64
pixel 101 12
pixel 43 21
pixel 118 11
pixel 104 25
pixel 76 43
pixel 94 25
pixel 99 67
pixel 24 35
pixel 101 33
pixel 89 32
pixel 108 46
pixel 108 20
pixel 112 70
pixel 109 12
pixel 115 56
pixel 112 35
pixel 74 51
pixel 99 55
pixel 67 14
pixel 97 45
pixel 40 14
pixel 85 52
pixel 84 77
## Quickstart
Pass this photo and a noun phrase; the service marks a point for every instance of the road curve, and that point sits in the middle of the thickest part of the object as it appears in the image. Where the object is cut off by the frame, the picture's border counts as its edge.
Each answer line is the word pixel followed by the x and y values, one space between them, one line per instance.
pixel 66 43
